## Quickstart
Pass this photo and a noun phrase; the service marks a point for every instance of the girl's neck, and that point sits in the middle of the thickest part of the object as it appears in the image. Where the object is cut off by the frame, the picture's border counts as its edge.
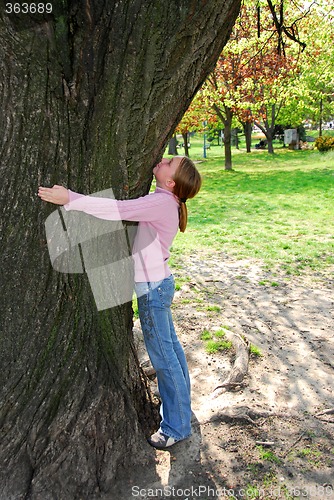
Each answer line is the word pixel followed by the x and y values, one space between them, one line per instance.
pixel 165 188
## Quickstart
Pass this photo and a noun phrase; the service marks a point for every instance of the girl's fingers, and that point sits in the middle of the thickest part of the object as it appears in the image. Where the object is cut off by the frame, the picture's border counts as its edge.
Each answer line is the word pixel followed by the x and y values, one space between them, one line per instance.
pixel 57 194
pixel 44 192
pixel 49 190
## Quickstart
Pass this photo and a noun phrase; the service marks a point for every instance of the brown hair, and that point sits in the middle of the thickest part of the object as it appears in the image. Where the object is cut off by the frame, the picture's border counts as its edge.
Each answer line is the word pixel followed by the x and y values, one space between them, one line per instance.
pixel 187 184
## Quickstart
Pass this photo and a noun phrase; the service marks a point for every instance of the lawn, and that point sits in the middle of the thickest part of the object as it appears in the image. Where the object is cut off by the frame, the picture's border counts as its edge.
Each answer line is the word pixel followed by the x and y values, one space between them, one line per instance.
pixel 275 208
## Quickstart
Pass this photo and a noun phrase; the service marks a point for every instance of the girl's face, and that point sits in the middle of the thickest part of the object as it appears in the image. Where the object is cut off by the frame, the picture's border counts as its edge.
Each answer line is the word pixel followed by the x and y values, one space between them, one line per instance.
pixel 164 172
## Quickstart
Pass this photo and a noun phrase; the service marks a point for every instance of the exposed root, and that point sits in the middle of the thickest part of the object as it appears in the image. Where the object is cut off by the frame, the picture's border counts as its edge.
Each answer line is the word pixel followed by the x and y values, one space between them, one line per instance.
pixel 240 366
pixel 330 411
pixel 241 413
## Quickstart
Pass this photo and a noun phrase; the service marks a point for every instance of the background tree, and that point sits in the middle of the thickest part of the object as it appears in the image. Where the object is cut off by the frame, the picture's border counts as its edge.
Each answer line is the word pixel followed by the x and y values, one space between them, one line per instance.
pixel 253 77
pixel 311 92
pixel 90 95
pixel 221 88
pixel 220 105
pixel 271 58
pixel 192 120
pixel 248 78
pixel 265 85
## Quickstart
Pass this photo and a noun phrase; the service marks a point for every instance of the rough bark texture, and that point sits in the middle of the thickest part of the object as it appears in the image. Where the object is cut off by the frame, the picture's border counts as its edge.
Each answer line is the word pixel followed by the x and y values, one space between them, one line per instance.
pixel 89 97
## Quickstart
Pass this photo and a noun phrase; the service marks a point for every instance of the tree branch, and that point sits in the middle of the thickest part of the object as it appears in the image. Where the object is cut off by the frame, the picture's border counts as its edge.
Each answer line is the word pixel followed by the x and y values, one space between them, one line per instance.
pixel 280 27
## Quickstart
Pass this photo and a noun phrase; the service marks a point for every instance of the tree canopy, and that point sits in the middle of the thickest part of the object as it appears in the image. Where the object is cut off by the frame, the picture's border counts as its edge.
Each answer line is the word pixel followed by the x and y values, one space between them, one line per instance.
pixel 277 68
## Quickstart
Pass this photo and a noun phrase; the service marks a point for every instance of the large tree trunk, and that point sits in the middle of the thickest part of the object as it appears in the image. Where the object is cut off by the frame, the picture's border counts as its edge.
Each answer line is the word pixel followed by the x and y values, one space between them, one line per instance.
pixel 90 95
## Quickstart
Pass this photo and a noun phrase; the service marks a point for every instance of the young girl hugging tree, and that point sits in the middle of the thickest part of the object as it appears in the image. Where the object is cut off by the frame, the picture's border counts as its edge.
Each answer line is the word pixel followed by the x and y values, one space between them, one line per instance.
pixel 160 213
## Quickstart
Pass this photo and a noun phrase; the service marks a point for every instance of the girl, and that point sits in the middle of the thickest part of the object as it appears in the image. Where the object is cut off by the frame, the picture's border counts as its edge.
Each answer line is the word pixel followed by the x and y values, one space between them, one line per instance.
pixel 160 214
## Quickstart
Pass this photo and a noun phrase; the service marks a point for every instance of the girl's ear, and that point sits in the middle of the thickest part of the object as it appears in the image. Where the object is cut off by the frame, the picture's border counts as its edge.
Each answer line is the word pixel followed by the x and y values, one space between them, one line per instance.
pixel 170 183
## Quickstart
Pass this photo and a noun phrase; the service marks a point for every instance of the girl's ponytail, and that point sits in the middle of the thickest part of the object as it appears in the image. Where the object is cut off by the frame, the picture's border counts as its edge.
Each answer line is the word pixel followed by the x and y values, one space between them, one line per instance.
pixel 183 213
pixel 187 184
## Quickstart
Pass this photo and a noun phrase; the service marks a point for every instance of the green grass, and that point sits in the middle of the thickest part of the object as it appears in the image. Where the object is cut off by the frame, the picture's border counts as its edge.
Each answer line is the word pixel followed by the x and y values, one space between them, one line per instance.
pixel 135 308
pixel 215 342
pixel 255 351
pixel 214 346
pixel 275 208
pixel 312 455
pixel 268 455
pixel 213 308
pixel 206 335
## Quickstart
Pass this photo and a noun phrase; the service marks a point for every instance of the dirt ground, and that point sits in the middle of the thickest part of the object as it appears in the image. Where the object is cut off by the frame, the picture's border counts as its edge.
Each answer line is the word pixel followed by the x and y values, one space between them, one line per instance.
pixel 273 435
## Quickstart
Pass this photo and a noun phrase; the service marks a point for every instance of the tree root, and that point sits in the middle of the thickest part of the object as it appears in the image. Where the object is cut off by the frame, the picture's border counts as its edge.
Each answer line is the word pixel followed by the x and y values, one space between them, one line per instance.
pixel 240 413
pixel 329 411
pixel 240 366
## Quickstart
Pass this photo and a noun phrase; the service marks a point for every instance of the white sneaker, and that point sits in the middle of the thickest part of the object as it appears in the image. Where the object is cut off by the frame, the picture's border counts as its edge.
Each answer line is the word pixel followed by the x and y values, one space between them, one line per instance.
pixel 160 440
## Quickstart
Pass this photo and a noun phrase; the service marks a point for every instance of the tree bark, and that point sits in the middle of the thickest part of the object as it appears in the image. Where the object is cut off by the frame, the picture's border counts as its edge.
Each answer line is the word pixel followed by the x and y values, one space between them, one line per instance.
pixel 227 138
pixel 247 126
pixel 235 137
pixel 172 146
pixel 268 126
pixel 185 137
pixel 90 96
pixel 226 114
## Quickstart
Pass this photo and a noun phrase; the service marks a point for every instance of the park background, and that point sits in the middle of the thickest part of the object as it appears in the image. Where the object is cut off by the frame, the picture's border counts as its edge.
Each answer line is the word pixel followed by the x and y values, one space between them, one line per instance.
pixel 276 208
pixel 256 263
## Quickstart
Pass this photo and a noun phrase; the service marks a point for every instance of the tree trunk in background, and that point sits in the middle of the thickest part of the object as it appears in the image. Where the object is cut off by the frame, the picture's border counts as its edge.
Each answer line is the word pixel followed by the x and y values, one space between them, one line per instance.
pixel 270 144
pixel 235 137
pixel 185 137
pixel 90 96
pixel 172 146
pixel 226 114
pixel 268 126
pixel 227 145
pixel 247 126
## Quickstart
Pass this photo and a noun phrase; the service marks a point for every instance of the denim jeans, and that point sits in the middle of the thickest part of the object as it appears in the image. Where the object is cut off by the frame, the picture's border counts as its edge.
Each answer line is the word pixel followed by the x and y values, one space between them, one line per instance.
pixel 166 355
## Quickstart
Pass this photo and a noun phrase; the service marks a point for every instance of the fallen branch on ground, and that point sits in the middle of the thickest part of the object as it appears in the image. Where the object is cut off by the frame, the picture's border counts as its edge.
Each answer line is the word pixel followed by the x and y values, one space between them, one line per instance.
pixel 325 412
pixel 240 366
pixel 239 413
pixel 294 444
pixel 329 411
pixel 265 443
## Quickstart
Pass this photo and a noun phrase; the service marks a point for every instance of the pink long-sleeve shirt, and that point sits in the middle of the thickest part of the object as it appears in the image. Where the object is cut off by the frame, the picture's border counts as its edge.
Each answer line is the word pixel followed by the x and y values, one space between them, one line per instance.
pixel 158 217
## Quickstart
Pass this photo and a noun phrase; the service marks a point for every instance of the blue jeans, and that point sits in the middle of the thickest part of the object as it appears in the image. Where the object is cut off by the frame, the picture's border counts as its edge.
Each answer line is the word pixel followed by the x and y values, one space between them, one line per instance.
pixel 166 355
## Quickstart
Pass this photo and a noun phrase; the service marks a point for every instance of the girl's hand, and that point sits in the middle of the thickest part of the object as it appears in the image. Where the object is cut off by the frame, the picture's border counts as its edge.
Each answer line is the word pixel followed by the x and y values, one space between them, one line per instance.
pixel 57 195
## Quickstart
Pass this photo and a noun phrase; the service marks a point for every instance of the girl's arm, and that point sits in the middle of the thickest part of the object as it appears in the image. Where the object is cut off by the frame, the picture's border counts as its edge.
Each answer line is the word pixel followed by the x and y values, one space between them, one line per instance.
pixel 148 208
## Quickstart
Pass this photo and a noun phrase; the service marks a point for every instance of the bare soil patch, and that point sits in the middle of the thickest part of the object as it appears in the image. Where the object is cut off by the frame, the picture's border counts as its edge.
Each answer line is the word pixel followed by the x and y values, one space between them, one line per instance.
pixel 272 436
